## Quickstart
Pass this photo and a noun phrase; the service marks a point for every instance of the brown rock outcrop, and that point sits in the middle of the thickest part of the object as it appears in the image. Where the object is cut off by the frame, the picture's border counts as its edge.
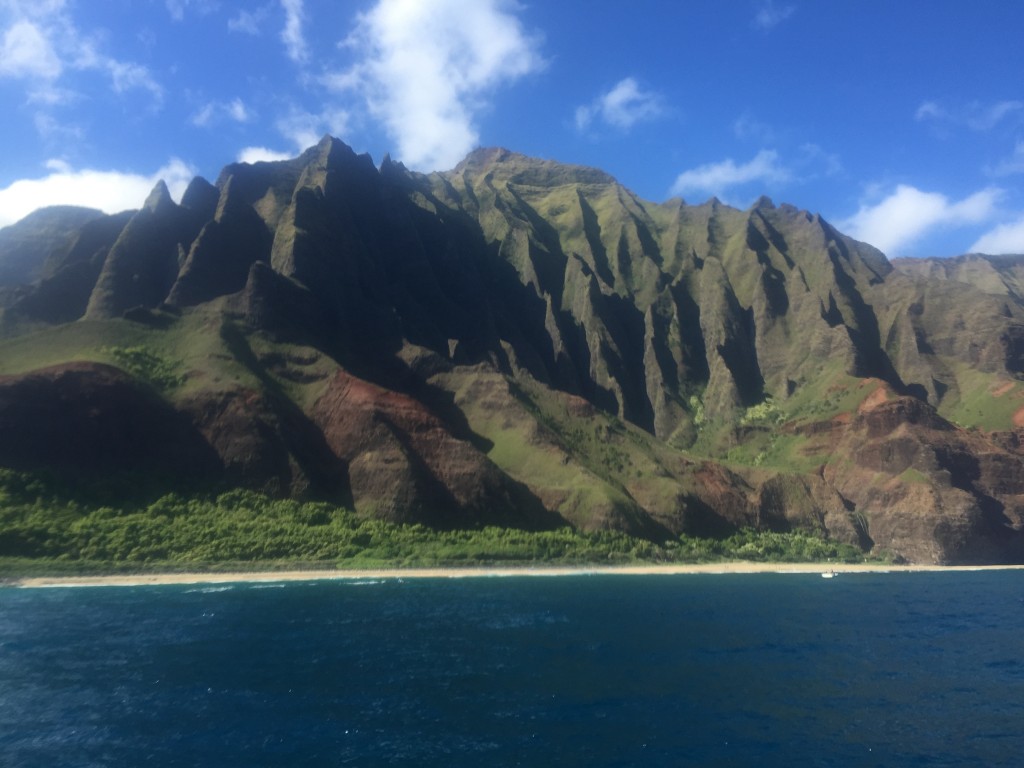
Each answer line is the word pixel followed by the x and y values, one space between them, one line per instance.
pixel 405 465
pixel 266 444
pixel 929 490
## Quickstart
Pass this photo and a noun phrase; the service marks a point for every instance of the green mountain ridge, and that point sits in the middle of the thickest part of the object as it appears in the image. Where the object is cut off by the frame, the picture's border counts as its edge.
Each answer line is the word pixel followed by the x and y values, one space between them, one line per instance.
pixel 522 343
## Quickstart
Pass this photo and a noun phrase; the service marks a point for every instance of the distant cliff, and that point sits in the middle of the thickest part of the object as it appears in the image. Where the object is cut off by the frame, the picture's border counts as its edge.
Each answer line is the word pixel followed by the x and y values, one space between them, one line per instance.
pixel 521 343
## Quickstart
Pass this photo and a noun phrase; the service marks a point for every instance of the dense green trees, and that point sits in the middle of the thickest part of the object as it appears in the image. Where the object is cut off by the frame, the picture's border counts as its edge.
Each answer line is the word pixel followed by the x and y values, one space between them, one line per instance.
pixel 41 523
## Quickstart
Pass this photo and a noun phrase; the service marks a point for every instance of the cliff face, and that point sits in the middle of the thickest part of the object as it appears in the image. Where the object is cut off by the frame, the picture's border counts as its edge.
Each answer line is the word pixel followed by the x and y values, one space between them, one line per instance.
pixel 524 343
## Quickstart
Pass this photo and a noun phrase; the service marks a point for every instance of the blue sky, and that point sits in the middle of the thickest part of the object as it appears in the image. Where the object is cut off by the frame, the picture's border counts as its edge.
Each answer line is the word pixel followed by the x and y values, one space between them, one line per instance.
pixel 902 123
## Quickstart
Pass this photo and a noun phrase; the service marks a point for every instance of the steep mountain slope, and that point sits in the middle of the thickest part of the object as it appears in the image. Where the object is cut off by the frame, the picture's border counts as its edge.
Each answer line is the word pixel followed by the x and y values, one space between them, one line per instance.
pixel 28 248
pixel 525 343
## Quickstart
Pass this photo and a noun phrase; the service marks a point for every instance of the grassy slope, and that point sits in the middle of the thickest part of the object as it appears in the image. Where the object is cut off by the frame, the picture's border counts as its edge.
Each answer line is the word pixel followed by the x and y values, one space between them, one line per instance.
pixel 985 400
pixel 199 349
pixel 529 451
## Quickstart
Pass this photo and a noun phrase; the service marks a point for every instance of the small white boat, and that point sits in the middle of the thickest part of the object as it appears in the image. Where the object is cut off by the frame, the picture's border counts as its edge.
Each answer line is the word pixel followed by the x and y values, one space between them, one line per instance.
pixel 828 574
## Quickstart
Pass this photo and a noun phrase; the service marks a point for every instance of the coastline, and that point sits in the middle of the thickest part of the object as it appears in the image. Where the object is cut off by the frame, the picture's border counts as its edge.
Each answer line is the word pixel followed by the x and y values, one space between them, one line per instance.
pixel 737 567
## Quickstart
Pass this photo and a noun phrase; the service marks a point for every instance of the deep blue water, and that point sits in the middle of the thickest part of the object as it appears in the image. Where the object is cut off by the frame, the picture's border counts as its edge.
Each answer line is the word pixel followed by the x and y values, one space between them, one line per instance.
pixel 732 670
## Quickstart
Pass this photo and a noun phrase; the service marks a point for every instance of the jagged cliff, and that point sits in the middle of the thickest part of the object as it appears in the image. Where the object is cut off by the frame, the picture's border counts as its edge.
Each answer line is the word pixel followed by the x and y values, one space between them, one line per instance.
pixel 525 343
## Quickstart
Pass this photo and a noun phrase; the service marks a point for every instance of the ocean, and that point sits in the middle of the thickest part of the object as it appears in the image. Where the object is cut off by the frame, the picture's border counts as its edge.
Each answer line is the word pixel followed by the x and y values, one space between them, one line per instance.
pixel 790 670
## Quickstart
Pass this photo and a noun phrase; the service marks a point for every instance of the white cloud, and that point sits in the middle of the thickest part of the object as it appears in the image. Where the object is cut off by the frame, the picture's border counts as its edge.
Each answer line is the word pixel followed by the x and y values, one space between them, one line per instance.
pixel 247 22
pixel 986 118
pixel 215 111
pixel 238 112
pixel 261 155
pixel 33 9
pixel 50 128
pixel 1006 238
pixel 817 161
pixel 976 116
pixel 427 68
pixel 304 129
pixel 746 127
pixel 907 214
pixel 51 95
pixel 1012 165
pixel 110 191
pixel 205 115
pixel 292 36
pixel 716 178
pixel 127 76
pixel 770 15
pixel 177 7
pixel 26 52
pixel 43 43
pixel 929 110
pixel 622 107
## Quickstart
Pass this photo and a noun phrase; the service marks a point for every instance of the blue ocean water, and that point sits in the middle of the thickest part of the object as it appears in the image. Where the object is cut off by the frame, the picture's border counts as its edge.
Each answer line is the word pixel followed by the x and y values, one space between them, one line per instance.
pixel 729 670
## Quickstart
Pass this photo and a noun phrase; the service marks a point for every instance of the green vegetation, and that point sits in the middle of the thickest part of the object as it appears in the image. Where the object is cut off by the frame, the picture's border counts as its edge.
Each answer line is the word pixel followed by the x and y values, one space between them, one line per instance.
pixel 765 413
pixel 911 475
pixel 775 547
pixel 144 363
pixel 984 400
pixel 42 530
pixel 697 409
pixel 194 352
pixel 773 449
pixel 827 394
pixel 82 340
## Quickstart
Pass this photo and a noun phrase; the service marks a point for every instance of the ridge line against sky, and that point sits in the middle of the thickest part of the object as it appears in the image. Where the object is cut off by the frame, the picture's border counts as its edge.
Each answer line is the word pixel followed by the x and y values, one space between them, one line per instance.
pixel 903 124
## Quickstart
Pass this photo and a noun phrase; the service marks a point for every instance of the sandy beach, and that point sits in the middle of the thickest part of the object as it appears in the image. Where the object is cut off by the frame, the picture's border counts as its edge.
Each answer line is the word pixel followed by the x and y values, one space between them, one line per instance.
pixel 128 580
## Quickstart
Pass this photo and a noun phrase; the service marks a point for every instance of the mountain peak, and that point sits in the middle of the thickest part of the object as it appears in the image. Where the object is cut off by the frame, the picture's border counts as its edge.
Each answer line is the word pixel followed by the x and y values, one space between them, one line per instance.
pixel 526 170
pixel 200 196
pixel 489 156
pixel 159 198
pixel 333 154
pixel 393 169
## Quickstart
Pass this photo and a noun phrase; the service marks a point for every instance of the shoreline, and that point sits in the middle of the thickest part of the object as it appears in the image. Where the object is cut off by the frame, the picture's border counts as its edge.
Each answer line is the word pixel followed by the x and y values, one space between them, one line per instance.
pixel 738 567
